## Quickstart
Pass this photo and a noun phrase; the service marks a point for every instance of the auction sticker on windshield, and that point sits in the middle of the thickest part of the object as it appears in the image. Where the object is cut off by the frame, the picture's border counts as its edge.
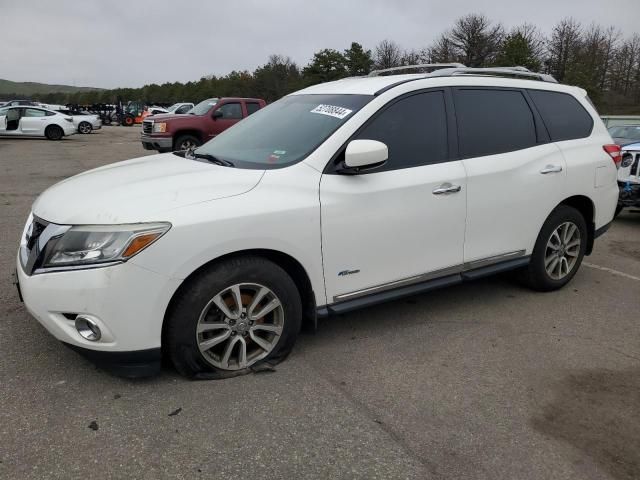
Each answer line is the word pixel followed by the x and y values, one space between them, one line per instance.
pixel 332 111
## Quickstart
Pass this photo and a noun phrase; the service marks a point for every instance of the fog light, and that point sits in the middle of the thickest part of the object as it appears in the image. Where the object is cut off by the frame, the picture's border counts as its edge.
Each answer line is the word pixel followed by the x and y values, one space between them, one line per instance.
pixel 87 328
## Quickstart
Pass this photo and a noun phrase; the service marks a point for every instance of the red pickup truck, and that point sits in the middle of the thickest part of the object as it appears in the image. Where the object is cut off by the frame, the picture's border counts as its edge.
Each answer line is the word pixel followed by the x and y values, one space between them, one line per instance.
pixel 207 119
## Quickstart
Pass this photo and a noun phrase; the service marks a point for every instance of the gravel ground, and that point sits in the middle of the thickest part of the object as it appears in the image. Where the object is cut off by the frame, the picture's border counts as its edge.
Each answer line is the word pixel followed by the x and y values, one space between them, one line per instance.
pixel 485 380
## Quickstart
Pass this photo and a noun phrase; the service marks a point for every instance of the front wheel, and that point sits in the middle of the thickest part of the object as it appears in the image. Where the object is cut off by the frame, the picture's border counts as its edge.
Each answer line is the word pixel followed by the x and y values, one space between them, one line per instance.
pixel 558 251
pixel 185 142
pixel 232 316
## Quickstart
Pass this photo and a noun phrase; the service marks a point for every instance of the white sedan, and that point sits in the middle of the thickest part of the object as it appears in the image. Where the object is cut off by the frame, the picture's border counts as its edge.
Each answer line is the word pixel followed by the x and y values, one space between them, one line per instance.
pixel 35 122
pixel 84 122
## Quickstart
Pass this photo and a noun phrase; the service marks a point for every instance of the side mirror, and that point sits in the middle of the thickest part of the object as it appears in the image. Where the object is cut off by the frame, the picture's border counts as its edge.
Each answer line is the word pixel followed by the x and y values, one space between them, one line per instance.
pixel 363 155
pixel 217 114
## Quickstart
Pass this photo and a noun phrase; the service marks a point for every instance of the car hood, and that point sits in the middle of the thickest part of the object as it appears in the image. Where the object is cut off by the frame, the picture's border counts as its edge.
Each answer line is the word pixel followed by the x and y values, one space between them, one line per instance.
pixel 631 146
pixel 140 190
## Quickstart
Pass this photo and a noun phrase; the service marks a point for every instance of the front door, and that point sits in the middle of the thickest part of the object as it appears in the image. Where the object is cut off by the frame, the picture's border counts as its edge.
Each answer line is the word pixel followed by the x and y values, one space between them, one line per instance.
pixel 224 116
pixel 403 222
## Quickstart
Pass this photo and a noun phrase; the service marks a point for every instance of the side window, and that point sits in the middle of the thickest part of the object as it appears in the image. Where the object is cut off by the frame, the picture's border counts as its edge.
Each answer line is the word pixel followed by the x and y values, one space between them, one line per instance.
pixel 493 121
pixel 183 109
pixel 252 107
pixel 34 112
pixel 414 129
pixel 231 111
pixel 49 114
pixel 562 114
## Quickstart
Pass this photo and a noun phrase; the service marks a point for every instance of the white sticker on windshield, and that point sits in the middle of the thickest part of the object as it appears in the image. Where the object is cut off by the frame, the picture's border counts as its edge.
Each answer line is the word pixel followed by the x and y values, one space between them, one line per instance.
pixel 332 111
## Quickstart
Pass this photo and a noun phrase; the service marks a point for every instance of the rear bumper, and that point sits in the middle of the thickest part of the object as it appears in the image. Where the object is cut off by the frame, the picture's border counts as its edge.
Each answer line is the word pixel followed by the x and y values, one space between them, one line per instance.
pixel 156 143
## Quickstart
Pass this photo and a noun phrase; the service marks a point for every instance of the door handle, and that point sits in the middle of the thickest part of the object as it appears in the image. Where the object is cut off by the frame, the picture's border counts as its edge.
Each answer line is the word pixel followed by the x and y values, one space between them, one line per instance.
pixel 447 189
pixel 551 169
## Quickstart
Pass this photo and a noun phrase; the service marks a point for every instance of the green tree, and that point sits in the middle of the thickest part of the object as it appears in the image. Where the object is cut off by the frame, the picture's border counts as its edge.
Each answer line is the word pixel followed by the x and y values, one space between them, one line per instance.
pixel 358 60
pixel 517 50
pixel 327 65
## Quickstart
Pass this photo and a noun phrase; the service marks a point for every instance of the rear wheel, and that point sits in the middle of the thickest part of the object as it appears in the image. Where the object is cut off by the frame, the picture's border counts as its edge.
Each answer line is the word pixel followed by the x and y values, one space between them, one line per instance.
pixel 128 121
pixel 85 127
pixel 185 142
pixel 558 251
pixel 54 132
pixel 232 316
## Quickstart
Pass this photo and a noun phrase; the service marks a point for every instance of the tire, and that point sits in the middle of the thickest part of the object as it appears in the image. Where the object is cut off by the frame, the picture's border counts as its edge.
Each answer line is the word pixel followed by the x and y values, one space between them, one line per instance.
pixel 198 333
pixel 618 210
pixel 54 132
pixel 128 121
pixel 85 128
pixel 183 142
pixel 543 272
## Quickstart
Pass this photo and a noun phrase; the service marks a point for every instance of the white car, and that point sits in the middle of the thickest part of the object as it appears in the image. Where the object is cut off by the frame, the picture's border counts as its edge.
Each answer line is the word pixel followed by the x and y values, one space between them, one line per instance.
pixel 35 122
pixel 176 108
pixel 84 122
pixel 339 196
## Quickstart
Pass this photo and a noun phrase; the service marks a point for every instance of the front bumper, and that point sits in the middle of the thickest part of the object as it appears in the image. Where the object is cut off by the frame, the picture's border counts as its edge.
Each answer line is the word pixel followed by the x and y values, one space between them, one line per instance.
pixel 156 143
pixel 629 194
pixel 126 301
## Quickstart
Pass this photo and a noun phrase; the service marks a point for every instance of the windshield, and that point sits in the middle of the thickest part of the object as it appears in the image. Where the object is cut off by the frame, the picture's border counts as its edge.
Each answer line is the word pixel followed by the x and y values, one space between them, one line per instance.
pixel 631 132
pixel 203 107
pixel 285 132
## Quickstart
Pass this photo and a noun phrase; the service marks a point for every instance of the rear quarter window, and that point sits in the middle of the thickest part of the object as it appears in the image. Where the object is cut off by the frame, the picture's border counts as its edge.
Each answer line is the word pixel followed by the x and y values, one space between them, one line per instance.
pixel 562 114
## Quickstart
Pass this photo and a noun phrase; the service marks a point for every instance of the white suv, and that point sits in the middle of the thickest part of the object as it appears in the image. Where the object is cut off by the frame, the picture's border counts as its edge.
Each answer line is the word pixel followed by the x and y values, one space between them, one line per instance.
pixel 336 197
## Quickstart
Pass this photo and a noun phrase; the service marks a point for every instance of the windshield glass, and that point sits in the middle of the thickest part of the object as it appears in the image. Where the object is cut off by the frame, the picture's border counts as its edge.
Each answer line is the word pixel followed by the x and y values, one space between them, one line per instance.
pixel 203 107
pixel 285 132
pixel 628 131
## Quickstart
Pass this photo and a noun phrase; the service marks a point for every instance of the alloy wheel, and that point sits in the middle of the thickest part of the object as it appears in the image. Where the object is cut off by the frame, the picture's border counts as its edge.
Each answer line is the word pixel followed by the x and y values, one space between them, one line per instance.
pixel 562 251
pixel 240 326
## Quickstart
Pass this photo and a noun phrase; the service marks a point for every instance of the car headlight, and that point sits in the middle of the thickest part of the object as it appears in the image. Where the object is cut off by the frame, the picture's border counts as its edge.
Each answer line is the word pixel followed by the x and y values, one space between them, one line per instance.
pixel 96 244
pixel 159 127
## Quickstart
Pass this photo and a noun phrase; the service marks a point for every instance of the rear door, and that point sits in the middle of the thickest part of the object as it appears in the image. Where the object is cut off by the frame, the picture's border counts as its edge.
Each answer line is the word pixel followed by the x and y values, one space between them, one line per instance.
pixel 33 121
pixel 395 225
pixel 3 121
pixel 515 176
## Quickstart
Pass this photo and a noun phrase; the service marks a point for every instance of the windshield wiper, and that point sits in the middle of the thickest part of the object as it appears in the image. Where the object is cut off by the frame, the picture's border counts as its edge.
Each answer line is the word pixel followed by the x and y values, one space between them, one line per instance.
pixel 214 159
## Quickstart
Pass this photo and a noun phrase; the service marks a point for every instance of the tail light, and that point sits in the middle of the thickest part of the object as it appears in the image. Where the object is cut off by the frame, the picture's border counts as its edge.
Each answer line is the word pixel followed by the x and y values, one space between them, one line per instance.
pixel 615 152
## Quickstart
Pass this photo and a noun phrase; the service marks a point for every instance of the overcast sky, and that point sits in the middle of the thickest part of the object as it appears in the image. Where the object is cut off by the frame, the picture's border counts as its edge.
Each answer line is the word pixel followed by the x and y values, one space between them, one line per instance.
pixel 112 43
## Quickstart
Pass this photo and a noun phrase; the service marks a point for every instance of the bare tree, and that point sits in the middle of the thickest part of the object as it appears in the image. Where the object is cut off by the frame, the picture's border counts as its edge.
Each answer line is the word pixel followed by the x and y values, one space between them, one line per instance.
pixel 388 54
pixel 475 40
pixel 563 47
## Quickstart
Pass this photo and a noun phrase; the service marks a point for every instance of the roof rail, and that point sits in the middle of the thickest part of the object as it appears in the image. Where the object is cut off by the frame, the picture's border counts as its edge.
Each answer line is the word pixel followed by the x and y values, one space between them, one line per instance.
pixel 494 71
pixel 376 73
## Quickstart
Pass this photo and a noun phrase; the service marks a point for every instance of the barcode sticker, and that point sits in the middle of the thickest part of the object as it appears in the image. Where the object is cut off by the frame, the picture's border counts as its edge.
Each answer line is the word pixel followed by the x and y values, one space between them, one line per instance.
pixel 332 111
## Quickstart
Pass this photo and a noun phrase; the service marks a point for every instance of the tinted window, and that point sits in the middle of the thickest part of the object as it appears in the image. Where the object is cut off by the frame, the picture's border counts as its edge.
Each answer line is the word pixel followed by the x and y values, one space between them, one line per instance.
pixel 231 111
pixel 414 129
pixel 32 112
pixel 183 109
pixel 562 114
pixel 252 107
pixel 493 121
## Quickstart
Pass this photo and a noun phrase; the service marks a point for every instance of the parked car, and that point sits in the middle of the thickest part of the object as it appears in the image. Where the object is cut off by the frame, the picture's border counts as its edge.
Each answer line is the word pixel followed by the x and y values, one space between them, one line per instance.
pixel 84 122
pixel 204 121
pixel 180 108
pixel 20 103
pixel 340 196
pixel 629 177
pixel 625 134
pixel 35 122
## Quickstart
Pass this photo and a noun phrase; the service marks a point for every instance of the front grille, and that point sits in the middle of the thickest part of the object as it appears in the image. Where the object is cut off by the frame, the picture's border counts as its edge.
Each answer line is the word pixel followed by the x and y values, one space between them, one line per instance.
pixel 147 127
pixel 34 232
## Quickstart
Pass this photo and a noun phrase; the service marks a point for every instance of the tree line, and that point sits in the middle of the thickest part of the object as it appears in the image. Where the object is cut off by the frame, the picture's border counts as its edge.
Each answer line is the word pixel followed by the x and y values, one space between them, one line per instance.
pixel 599 59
